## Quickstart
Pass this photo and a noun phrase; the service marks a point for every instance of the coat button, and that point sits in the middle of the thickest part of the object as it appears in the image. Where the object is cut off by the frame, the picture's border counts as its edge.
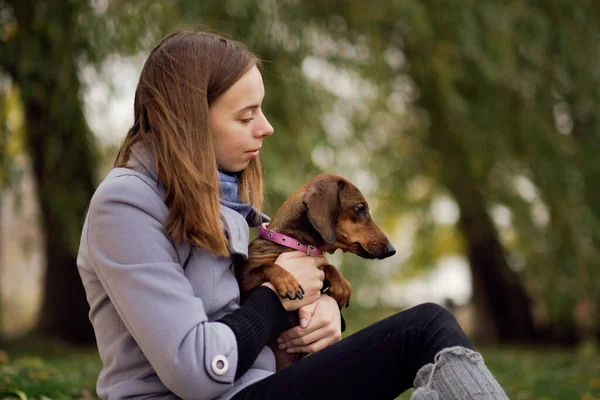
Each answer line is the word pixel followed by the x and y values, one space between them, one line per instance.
pixel 220 365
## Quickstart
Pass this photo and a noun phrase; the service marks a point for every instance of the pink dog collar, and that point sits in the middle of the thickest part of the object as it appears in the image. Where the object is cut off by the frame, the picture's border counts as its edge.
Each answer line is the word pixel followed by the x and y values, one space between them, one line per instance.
pixel 287 241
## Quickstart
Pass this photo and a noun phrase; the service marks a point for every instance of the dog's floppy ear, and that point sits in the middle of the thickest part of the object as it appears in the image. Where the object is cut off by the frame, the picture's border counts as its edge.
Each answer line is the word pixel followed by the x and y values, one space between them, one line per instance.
pixel 322 201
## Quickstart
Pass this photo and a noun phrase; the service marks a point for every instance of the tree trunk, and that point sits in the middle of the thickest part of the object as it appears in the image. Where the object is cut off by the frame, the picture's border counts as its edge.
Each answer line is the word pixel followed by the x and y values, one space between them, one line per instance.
pixel 502 307
pixel 64 189
pixel 60 145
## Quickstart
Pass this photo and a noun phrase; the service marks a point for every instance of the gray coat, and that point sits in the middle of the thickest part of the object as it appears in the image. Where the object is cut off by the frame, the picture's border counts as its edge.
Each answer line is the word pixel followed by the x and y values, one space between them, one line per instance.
pixel 154 303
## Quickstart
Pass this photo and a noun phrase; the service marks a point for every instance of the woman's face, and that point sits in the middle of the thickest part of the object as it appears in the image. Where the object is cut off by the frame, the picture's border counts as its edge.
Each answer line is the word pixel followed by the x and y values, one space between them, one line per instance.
pixel 238 125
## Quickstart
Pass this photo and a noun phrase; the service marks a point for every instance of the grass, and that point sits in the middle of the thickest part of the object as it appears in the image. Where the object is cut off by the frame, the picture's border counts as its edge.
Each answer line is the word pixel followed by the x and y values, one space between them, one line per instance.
pixel 543 373
pixel 42 369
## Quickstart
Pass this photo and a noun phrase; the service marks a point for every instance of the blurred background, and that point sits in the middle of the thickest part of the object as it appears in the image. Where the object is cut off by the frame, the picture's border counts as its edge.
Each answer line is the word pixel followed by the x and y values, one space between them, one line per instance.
pixel 471 127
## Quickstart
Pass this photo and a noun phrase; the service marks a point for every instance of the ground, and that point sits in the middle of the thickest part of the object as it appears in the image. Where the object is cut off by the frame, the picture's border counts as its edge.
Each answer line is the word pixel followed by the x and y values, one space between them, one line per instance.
pixel 42 369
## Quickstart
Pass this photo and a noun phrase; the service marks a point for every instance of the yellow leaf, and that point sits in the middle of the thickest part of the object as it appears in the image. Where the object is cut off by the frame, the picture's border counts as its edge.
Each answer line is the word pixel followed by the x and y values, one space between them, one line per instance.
pixel 595 383
pixel 30 362
pixel 13 392
pixel 39 375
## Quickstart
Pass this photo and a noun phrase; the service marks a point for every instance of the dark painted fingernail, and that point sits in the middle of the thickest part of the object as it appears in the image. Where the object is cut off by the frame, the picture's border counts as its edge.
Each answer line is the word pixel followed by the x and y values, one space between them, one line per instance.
pixel 288 295
pixel 303 292
pixel 299 295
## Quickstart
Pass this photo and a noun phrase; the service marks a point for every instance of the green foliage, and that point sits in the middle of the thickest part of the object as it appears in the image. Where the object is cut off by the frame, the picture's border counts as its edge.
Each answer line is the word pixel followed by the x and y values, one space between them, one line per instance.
pixel 502 92
pixel 397 98
pixel 11 131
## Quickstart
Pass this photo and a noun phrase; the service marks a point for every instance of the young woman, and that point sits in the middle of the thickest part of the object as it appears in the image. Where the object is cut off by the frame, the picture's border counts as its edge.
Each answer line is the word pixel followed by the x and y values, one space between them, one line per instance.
pixel 157 248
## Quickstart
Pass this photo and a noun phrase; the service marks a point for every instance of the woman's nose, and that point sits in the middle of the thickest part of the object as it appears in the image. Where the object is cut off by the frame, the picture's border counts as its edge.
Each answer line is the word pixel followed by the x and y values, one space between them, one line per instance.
pixel 266 128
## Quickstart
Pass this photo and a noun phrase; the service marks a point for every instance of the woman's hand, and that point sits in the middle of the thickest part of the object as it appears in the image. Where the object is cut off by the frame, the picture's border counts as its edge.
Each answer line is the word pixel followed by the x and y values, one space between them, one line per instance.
pixel 306 270
pixel 320 326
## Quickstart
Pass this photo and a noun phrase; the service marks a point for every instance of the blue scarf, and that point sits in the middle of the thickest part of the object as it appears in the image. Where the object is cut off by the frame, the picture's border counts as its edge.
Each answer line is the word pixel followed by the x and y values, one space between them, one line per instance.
pixel 228 196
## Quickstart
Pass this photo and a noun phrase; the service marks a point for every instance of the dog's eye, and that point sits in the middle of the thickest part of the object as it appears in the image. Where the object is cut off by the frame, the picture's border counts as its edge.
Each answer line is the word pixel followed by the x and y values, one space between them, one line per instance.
pixel 360 210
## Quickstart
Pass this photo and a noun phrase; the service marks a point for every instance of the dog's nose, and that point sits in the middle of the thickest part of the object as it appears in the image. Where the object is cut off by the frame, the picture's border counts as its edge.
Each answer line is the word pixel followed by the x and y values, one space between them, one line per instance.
pixel 389 250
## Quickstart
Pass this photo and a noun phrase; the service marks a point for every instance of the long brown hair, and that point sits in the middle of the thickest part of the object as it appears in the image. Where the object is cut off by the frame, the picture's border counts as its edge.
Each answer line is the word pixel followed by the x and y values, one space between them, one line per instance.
pixel 182 77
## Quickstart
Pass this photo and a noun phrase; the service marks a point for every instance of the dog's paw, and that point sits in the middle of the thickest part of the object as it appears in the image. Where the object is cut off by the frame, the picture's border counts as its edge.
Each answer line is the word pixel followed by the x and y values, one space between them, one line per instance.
pixel 289 287
pixel 286 285
pixel 340 290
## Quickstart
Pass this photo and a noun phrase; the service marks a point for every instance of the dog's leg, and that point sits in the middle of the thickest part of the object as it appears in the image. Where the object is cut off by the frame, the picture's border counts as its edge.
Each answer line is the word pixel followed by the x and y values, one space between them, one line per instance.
pixel 339 288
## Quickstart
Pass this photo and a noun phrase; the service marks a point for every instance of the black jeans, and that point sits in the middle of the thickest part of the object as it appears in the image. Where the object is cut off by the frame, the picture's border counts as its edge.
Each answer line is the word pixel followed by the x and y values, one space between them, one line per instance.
pixel 379 362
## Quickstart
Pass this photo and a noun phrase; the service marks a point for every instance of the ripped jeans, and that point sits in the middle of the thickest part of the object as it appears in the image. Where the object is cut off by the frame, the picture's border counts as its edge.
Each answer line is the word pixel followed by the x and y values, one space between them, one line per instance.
pixel 379 362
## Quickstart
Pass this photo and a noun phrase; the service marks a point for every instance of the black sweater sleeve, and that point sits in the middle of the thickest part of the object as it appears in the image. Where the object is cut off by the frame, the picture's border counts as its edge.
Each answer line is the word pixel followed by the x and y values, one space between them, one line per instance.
pixel 260 319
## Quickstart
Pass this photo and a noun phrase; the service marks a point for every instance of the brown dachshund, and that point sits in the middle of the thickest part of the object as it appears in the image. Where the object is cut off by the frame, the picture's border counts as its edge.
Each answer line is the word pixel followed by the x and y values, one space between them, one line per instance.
pixel 328 213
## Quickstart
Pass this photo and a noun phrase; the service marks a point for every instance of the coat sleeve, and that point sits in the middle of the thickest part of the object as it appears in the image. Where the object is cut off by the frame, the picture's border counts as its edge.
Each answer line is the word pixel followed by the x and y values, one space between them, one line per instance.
pixel 138 265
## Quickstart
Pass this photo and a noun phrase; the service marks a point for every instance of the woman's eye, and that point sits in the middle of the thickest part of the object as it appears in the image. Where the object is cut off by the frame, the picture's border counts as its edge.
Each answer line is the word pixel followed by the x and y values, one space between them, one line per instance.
pixel 247 120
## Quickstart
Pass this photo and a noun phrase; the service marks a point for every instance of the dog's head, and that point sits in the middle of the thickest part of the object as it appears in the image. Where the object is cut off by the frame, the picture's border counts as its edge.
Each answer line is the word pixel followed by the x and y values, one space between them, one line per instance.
pixel 339 213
